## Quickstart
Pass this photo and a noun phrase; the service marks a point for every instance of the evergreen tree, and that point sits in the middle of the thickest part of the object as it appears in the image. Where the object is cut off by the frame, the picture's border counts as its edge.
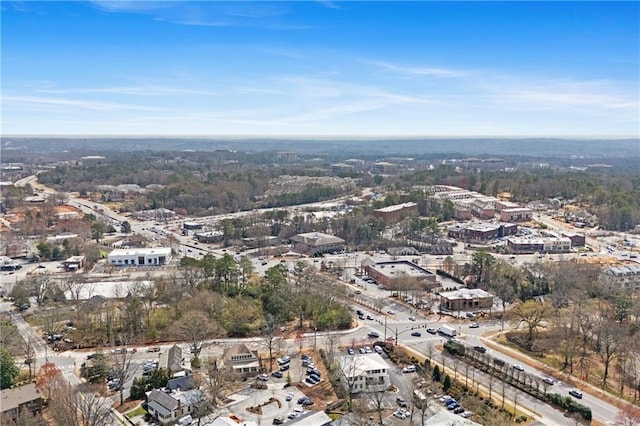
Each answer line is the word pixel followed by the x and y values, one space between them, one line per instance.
pixel 446 384
pixel 8 369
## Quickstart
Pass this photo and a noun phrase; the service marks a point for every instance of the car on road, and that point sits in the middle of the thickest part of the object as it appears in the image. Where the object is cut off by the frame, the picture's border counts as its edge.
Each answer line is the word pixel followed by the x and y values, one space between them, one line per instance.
pixel 409 369
pixel 391 312
pixel 518 367
pixel 474 325
pixel 369 317
pixel 575 393
pixel 373 334
pixel 412 318
pixel 480 349
pixel 431 330
pixel 357 292
pixel 548 380
pixel 416 334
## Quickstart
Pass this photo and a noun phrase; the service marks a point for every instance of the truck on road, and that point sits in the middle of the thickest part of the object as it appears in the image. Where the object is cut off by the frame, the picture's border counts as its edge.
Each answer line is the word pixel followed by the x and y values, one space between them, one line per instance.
pixel 447 331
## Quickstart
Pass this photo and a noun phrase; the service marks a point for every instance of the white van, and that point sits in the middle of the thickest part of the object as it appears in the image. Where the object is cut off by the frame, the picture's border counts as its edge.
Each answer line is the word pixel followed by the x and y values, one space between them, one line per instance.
pixel 185 420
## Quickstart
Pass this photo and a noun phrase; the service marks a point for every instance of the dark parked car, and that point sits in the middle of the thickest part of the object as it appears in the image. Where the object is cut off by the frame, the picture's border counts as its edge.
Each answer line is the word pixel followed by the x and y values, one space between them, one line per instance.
pixel 373 334
pixel 575 393
pixel 480 349
pixel 277 374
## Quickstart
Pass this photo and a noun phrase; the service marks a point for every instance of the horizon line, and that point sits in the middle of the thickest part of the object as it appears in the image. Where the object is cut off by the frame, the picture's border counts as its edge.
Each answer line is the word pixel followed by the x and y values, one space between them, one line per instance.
pixel 288 136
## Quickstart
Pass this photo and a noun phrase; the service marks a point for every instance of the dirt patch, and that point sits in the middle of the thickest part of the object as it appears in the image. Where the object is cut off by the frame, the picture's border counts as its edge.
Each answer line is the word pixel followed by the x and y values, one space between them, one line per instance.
pixel 322 393
pixel 258 409
pixel 127 406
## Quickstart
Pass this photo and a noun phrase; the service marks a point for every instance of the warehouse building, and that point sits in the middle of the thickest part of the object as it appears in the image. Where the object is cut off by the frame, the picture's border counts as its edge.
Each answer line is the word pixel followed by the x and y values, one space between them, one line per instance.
pixel 155 256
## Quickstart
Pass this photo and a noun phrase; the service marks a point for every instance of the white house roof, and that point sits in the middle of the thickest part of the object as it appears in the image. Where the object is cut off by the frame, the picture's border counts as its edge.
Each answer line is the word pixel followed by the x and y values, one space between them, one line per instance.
pixel 141 251
pixel 465 293
pixel 359 364
pixel 317 239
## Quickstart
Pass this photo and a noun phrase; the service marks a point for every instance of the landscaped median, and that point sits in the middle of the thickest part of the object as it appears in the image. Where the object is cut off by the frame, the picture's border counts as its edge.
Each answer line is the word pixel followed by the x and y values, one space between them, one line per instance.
pixel 527 383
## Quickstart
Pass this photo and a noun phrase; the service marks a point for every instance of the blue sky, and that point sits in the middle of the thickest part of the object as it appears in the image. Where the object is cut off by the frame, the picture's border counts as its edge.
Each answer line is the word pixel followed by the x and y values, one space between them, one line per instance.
pixel 321 68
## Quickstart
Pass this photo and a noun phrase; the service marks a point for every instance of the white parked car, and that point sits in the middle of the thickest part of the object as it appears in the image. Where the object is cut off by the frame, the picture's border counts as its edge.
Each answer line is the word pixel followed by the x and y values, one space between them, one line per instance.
pixel 409 369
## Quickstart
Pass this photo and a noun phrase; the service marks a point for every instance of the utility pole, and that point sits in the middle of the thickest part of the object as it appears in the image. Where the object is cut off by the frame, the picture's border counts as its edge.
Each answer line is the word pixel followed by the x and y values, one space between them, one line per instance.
pixel 385 328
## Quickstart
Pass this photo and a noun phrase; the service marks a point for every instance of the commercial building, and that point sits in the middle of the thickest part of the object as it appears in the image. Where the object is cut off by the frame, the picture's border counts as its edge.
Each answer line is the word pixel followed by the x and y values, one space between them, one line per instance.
pixel 392 214
pixel 192 226
pixel 74 263
pixel 481 232
pixel 156 256
pixel 577 240
pixel 465 299
pixel 312 243
pixel 517 214
pixel 461 212
pixel 364 373
pixel 623 277
pixel 528 245
pixel 384 168
pixel 390 274
pixel 483 208
pixel 209 237
pixel 338 168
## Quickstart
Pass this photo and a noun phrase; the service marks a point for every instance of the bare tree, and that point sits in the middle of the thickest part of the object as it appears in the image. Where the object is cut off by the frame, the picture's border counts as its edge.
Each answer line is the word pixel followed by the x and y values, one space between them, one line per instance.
pixel 516 398
pixel 347 368
pixel 611 340
pixel 71 405
pixel 123 369
pixel 194 328
pixel 376 400
pixel 76 286
pixel 331 347
pixel 270 336
pixel 218 379
pixel 29 356
pixel 533 314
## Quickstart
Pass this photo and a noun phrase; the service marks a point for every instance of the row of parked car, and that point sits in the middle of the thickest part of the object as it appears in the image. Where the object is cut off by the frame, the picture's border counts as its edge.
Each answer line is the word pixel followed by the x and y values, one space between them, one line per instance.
pixel 453 405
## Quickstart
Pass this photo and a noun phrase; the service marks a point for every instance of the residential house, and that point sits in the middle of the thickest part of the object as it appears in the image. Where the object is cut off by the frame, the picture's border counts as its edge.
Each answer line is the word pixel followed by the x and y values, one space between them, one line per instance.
pixel 172 360
pixel 17 402
pixel 168 407
pixel 241 359
pixel 364 373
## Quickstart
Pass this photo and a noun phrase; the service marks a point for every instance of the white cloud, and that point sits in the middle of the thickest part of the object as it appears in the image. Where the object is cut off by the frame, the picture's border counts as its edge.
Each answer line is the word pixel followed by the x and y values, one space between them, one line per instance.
pixel 75 104
pixel 132 90
pixel 418 71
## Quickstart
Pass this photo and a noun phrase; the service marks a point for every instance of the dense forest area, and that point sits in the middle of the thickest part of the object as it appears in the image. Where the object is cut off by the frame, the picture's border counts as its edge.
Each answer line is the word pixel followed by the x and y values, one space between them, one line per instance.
pixel 225 181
